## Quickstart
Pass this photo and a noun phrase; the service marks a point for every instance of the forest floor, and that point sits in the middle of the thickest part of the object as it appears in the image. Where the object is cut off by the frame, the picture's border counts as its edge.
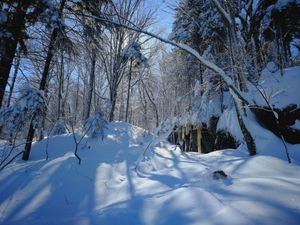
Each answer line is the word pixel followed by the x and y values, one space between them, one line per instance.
pixel 128 178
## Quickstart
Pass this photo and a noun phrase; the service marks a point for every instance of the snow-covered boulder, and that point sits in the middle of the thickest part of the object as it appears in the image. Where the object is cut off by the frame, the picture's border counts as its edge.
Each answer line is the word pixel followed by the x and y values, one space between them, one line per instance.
pixel 282 96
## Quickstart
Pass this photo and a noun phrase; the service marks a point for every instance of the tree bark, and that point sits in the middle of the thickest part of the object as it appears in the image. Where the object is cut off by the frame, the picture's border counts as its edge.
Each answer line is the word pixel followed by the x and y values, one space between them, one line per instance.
pixel 128 91
pixel 60 85
pixel 91 83
pixel 113 99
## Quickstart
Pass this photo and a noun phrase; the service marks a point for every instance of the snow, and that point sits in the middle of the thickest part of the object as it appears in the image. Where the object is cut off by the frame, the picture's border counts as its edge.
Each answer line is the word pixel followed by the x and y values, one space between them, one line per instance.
pixel 228 122
pixel 281 95
pixel 124 180
pixel 95 125
pixel 296 125
pixel 133 51
pixel 28 107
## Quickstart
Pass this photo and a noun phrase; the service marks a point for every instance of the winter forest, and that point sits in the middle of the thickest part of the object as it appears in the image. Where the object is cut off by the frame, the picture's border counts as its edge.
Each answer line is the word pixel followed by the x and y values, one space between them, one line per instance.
pixel 149 112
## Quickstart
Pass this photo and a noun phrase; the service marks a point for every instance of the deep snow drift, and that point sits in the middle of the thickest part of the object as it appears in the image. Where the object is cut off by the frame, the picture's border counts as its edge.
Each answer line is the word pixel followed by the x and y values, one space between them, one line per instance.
pixel 124 180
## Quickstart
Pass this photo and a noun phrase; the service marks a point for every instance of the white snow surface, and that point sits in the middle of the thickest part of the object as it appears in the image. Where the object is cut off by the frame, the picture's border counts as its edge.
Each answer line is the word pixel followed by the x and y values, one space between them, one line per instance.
pixel 124 180
pixel 296 125
pixel 280 90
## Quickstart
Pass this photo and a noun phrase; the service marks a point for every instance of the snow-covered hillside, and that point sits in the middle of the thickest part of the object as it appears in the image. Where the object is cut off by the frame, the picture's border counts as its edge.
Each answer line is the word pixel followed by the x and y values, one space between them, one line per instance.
pixel 124 180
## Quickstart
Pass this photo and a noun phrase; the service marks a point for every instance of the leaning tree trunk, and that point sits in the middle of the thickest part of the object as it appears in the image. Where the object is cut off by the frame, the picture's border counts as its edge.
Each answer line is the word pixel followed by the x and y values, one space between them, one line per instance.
pixel 43 82
pixel 238 67
pixel 247 135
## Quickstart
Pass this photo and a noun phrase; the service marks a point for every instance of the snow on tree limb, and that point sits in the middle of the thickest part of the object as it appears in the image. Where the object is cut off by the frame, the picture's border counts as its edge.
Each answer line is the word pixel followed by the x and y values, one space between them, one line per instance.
pixel 28 107
pixel 229 82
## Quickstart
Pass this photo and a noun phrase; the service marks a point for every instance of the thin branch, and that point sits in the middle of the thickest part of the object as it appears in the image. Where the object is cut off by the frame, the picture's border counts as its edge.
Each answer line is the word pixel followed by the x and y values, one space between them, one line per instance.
pixel 277 123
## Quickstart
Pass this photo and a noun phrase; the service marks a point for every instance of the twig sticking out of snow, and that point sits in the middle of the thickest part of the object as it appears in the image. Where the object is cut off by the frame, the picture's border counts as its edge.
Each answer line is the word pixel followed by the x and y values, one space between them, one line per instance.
pixel 263 94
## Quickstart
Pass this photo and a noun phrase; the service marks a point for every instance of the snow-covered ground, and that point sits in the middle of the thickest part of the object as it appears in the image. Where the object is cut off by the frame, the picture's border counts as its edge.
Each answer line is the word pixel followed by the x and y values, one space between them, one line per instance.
pixel 280 89
pixel 124 180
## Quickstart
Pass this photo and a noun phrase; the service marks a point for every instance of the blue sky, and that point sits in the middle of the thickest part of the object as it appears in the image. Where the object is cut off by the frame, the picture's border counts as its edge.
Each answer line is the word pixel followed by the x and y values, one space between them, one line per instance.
pixel 164 12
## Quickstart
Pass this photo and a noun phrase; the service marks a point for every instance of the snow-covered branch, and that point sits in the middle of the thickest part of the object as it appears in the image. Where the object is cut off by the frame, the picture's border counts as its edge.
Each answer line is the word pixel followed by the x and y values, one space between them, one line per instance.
pixel 229 82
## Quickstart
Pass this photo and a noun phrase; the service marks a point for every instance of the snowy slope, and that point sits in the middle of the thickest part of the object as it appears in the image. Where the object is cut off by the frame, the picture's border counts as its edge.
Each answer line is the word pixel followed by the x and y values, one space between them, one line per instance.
pixel 165 187
pixel 280 90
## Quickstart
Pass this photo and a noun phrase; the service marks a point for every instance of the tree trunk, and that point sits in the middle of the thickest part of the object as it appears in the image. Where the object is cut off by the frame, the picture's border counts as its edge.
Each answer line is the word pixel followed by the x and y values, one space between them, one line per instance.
pixel 42 128
pixel 60 85
pixel 153 104
pixel 12 85
pixel 76 101
pixel 9 46
pixel 128 91
pixel 28 144
pixel 113 99
pixel 91 84
pixel 247 135
pixel 43 81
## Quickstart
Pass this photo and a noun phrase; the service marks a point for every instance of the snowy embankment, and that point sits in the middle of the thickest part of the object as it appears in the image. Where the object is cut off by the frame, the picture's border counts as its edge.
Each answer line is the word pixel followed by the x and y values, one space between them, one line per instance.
pixel 165 187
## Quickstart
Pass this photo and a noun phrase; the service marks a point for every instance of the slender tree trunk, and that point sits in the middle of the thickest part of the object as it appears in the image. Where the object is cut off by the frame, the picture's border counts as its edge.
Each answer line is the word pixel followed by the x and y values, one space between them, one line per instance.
pixel 28 144
pixel 43 82
pixel 60 84
pixel 128 91
pixel 201 79
pixel 247 135
pixel 42 129
pixel 153 104
pixel 84 97
pixel 76 101
pixel 91 84
pixel 279 49
pixel 113 99
pixel 12 85
pixel 121 106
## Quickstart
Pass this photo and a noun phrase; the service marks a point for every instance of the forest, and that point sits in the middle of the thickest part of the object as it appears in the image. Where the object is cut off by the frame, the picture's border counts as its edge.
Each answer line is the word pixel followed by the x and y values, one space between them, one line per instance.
pixel 149 111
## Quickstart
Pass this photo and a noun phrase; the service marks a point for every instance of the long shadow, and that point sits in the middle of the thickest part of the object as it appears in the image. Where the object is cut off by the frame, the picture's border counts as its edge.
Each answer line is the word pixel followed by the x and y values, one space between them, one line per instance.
pixel 31 201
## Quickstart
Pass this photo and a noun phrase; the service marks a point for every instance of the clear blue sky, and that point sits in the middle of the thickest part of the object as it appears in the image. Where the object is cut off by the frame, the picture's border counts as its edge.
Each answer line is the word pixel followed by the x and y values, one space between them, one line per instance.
pixel 164 12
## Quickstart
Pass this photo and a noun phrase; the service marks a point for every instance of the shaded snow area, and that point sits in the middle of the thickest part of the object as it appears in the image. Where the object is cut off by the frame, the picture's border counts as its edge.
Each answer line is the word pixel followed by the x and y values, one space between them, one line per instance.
pixel 124 180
